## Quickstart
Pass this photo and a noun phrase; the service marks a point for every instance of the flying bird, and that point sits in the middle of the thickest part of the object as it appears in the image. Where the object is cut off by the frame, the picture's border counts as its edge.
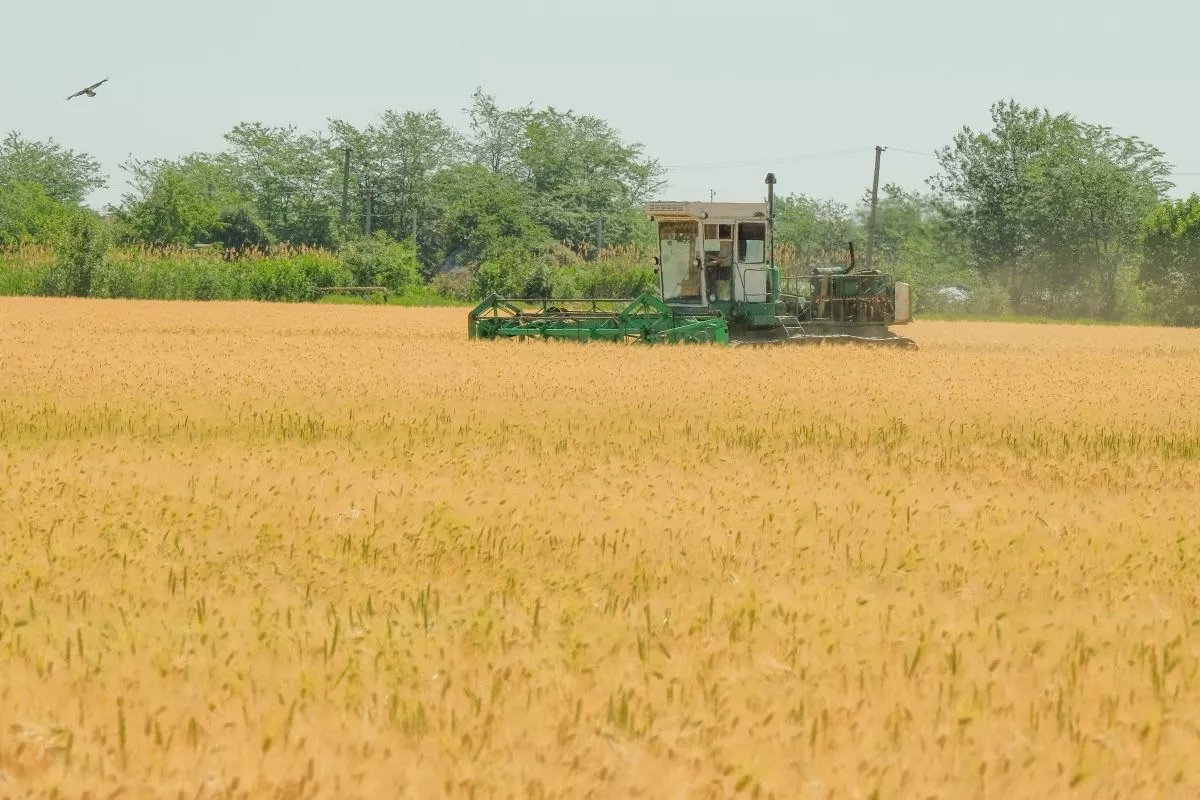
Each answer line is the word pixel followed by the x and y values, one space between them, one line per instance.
pixel 89 91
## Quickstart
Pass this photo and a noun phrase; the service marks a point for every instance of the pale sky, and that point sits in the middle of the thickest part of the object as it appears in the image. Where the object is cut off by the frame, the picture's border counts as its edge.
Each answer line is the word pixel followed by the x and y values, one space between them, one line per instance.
pixel 699 83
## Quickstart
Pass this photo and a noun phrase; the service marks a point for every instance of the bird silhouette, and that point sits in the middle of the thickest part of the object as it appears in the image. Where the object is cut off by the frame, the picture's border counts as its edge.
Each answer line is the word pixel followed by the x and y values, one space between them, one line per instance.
pixel 89 91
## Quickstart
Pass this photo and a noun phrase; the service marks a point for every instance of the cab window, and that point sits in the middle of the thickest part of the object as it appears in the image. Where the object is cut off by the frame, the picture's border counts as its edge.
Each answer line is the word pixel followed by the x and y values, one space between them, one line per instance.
pixel 752 242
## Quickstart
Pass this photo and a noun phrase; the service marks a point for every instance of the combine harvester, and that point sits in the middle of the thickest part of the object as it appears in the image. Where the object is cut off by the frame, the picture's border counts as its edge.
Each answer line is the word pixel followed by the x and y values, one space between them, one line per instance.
pixel 718 283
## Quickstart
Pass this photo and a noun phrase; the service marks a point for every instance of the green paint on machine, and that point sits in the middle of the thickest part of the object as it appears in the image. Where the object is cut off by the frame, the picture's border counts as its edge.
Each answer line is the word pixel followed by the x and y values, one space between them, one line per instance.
pixel 718 283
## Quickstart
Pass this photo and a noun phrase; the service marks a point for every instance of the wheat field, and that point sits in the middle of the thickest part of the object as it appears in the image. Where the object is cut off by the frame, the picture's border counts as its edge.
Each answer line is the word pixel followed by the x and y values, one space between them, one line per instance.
pixel 297 551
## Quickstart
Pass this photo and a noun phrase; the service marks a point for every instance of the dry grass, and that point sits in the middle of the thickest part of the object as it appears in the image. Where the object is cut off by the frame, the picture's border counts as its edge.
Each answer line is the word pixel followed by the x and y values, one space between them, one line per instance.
pixel 280 551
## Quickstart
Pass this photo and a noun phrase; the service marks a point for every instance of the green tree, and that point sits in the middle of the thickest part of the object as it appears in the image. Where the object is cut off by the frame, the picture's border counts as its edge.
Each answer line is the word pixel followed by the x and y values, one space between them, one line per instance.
pixel 915 243
pixel 197 199
pixel 1170 269
pixel 498 136
pixel 810 232
pixel 292 180
pixel 1051 206
pixel 382 261
pixel 80 251
pixel 67 176
pixel 28 214
pixel 176 210
pixel 394 163
pixel 478 211
pixel 581 171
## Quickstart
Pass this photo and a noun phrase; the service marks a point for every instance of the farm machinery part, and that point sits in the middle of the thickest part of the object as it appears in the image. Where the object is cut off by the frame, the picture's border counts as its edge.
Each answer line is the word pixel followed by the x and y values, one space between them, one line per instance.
pixel 718 283
pixel 643 319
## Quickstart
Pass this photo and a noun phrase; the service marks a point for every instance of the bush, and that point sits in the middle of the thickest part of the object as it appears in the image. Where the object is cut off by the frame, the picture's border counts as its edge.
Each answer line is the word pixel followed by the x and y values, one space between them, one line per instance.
pixel 81 250
pixel 508 271
pixel 619 278
pixel 455 285
pixel 294 280
pixel 382 261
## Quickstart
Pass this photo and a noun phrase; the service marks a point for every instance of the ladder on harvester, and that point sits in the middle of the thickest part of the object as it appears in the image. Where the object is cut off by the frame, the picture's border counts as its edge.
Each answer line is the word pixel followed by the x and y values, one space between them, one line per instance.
pixel 791 326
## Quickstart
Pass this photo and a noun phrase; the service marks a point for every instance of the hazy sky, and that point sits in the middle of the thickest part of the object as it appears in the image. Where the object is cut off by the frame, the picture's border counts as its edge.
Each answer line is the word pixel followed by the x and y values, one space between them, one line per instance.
pixel 699 83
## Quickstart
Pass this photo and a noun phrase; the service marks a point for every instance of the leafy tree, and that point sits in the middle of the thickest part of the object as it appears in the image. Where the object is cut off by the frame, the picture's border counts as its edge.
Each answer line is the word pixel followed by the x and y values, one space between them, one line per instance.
pixel 479 211
pixel 382 261
pixel 394 163
pixel 293 180
pixel 67 176
pixel 1170 269
pixel 812 232
pixel 175 211
pixel 580 170
pixel 498 136
pixel 240 228
pixel 1098 189
pixel 1051 206
pixel 29 214
pixel 198 199
pixel 80 250
pixel 914 243
pixel 509 270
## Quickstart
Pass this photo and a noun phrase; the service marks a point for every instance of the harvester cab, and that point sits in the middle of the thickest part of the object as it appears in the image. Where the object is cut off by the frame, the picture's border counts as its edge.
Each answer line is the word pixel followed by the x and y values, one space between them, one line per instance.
pixel 713 256
pixel 718 282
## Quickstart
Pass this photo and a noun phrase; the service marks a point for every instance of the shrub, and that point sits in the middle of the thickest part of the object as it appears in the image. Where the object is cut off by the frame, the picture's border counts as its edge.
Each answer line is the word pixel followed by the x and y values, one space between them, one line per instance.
pixel 382 261
pixel 81 250
pixel 454 285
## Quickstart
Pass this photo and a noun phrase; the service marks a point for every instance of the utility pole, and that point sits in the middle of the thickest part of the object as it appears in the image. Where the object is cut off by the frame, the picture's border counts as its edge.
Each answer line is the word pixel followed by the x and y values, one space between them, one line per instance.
pixel 414 222
pixel 770 181
pixel 367 221
pixel 599 235
pixel 874 206
pixel 346 190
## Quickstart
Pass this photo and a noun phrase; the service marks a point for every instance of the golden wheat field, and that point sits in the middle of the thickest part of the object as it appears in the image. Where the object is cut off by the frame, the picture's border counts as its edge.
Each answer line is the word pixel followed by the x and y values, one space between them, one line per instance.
pixel 338 551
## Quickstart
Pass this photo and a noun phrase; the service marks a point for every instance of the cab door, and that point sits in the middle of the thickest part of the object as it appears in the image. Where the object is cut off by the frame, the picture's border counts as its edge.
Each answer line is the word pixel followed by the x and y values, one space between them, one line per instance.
pixel 751 285
pixel 680 266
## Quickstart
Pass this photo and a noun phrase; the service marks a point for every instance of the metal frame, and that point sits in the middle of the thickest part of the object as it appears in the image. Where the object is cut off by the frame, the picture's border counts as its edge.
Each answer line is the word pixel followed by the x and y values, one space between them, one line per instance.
pixel 645 320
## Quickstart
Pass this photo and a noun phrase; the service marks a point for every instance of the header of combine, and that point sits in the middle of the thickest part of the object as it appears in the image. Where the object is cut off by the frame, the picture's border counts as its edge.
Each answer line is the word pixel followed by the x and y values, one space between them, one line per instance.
pixel 718 282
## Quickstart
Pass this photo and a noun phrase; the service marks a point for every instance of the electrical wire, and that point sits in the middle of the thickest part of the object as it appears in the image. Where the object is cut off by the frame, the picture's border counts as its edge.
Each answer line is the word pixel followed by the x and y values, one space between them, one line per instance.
pixel 769 161
pixel 910 152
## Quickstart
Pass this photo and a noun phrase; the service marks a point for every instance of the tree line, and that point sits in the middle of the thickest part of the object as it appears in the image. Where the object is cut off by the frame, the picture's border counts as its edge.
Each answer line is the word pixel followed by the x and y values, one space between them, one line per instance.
pixel 1042 214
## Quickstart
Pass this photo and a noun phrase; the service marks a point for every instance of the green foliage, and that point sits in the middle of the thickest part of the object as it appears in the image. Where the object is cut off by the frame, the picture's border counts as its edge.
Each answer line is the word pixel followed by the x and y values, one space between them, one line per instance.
pixel 1051 207
pixel 453 285
pixel 416 296
pixel 81 252
pixel 1170 270
pixel 395 162
pixel 291 180
pixel 1042 214
pixel 507 190
pixel 510 270
pixel 294 279
pixel 240 228
pixel 914 243
pixel 176 210
pixel 610 278
pixel 478 212
pixel 28 214
pixel 579 169
pixel 66 176
pixel 381 261
pixel 810 232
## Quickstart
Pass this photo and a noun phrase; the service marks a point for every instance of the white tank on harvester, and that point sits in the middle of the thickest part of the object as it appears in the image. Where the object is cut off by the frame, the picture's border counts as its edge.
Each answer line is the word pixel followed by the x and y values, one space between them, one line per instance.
pixel 718 282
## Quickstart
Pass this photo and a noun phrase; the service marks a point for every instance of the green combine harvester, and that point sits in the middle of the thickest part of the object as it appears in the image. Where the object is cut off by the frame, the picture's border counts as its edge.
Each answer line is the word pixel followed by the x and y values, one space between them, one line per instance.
pixel 718 283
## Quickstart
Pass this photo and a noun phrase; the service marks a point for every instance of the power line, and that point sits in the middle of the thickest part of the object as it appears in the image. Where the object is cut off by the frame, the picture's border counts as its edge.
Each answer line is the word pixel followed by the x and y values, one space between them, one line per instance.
pixel 769 161
pixel 911 152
